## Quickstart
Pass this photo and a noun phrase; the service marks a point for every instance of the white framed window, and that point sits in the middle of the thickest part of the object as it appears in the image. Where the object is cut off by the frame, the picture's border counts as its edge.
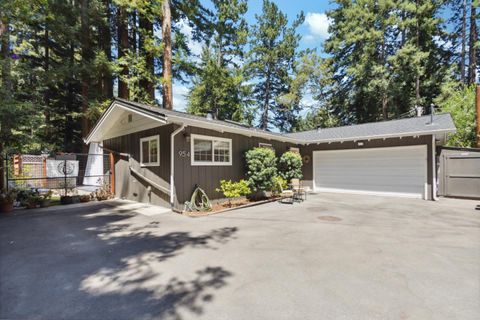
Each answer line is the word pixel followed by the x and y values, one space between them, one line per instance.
pixel 293 149
pixel 210 151
pixel 265 145
pixel 150 151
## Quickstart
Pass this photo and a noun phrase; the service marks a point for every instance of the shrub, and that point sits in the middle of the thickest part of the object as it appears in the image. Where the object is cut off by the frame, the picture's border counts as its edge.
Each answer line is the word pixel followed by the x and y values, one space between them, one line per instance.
pixel 261 168
pixel 279 184
pixel 290 166
pixel 234 189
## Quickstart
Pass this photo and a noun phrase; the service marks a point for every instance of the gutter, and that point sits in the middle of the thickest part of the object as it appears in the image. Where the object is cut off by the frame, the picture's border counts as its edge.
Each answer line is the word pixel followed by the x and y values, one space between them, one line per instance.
pixel 172 163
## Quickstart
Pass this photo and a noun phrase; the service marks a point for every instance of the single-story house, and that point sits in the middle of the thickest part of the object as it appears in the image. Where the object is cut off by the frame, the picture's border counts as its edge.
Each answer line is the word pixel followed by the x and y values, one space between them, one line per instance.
pixel 161 155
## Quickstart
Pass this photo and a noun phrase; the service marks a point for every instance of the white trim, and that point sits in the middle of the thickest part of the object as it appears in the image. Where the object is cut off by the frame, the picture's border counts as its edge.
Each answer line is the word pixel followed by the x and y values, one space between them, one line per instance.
pixel 434 171
pixel 149 139
pixel 334 190
pixel 209 163
pixel 249 132
pixel 105 115
pixel 172 164
pixel 382 136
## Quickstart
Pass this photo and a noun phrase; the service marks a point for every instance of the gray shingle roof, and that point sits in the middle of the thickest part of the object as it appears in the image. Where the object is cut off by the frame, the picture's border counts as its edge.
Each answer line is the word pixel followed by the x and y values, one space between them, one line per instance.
pixel 402 127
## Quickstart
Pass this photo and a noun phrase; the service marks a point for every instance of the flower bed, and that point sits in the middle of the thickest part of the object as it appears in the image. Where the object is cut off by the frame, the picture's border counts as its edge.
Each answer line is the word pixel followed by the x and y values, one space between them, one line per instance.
pixel 224 206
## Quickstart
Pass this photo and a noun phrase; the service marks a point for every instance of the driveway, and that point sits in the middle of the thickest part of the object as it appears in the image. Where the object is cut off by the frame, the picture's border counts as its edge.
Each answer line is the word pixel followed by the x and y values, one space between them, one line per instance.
pixel 331 257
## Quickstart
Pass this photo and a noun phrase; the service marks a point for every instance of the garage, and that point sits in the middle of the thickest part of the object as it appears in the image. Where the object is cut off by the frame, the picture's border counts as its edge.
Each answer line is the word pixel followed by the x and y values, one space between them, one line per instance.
pixel 395 171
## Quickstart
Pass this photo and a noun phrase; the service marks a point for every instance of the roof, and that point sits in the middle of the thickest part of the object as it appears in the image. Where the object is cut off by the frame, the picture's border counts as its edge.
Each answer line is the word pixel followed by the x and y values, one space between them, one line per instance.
pixel 393 128
pixel 442 123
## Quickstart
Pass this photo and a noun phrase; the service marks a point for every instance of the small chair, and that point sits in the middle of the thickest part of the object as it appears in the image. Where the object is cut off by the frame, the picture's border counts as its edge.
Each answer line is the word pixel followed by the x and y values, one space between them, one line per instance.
pixel 300 193
pixel 286 194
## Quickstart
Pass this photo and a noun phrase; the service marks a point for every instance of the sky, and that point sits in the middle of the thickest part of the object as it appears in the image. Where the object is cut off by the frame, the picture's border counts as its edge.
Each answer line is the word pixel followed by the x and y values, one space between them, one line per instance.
pixel 313 31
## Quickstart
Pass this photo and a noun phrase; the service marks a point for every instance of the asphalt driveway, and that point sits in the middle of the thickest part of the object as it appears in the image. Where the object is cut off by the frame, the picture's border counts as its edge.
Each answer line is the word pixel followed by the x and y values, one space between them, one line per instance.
pixel 331 257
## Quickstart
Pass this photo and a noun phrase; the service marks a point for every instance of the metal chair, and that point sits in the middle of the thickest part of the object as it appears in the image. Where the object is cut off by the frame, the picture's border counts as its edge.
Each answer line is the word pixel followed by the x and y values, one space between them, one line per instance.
pixel 300 193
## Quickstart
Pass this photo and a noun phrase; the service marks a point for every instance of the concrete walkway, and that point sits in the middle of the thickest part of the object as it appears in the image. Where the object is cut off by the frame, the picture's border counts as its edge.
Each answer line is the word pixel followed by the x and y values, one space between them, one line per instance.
pixel 331 257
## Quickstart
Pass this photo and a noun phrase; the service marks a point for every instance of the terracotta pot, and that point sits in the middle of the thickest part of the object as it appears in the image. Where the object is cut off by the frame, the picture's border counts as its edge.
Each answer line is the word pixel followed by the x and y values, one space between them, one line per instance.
pixel 6 207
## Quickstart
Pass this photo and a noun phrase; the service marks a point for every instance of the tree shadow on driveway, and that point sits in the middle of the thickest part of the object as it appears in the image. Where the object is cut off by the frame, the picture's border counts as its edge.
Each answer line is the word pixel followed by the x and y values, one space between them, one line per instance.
pixel 95 263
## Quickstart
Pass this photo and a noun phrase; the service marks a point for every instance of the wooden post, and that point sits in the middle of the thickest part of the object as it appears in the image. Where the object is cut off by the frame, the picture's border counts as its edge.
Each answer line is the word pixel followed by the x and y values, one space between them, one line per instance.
pixel 44 172
pixel 478 115
pixel 112 173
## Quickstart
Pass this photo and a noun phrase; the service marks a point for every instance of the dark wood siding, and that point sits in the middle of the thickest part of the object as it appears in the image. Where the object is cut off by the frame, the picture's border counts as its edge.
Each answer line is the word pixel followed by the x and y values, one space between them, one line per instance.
pixel 133 187
pixel 208 177
pixel 377 143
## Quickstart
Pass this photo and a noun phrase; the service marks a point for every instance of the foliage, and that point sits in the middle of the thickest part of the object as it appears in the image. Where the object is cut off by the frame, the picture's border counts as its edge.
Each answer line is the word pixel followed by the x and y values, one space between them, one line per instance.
pixel 8 196
pixel 234 189
pixel 321 118
pixel 261 168
pixel 218 88
pixel 273 49
pixel 102 193
pixel 279 184
pixel 459 101
pixel 385 57
pixel 46 196
pixel 290 165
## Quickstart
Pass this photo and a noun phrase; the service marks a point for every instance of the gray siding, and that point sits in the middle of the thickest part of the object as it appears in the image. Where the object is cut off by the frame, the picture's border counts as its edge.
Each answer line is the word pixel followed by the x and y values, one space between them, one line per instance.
pixel 208 177
pixel 134 187
pixel 378 143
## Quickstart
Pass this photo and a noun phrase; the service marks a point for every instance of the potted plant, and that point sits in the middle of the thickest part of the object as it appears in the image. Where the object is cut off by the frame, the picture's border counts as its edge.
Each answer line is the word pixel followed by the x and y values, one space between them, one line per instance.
pixel 85 198
pixel 7 198
pixel 45 199
pixel 32 201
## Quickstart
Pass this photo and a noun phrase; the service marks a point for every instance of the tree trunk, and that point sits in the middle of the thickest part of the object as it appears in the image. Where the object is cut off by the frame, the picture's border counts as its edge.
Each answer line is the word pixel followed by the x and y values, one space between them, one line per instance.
pixel 46 94
pixel 146 33
pixel 464 41
pixel 167 55
pixel 106 81
pixel 86 59
pixel 266 104
pixel 417 76
pixel 4 123
pixel 472 63
pixel 122 29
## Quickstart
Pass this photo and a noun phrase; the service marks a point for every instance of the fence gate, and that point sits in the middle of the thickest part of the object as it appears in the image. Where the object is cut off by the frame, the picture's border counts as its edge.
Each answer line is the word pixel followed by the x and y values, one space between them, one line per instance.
pixel 64 173
pixel 459 174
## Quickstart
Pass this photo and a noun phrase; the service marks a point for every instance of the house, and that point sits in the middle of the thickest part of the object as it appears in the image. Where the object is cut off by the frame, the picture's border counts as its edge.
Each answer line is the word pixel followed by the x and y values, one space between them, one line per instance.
pixel 161 155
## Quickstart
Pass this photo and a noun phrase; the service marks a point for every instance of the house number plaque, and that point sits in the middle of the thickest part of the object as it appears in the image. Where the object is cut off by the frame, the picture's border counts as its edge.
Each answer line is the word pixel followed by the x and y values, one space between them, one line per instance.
pixel 184 154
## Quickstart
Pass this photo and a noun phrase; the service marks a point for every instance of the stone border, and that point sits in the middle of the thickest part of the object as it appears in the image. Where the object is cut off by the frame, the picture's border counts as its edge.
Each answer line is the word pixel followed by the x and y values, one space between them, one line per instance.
pixel 200 214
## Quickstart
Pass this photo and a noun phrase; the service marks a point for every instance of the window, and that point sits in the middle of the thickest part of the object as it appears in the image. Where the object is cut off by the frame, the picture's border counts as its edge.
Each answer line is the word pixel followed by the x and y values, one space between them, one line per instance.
pixel 150 151
pixel 211 151
pixel 265 145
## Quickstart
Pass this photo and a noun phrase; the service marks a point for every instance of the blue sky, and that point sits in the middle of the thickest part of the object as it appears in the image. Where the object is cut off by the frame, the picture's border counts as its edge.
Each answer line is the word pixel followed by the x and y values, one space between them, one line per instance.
pixel 313 31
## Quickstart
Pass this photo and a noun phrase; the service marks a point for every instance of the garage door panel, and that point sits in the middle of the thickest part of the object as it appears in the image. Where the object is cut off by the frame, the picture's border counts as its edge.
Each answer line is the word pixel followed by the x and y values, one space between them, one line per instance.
pixel 400 170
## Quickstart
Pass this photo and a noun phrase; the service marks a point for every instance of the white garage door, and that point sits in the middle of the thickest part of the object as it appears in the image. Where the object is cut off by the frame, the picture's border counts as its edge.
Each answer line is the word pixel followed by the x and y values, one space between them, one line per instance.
pixel 398 171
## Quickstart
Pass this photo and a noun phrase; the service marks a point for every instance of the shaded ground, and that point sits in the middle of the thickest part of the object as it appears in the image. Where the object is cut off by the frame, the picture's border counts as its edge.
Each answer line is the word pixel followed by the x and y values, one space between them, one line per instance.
pixel 330 257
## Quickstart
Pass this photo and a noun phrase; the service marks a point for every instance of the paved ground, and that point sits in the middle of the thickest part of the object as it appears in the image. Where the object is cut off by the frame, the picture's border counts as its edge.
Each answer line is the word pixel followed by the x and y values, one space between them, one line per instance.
pixel 332 257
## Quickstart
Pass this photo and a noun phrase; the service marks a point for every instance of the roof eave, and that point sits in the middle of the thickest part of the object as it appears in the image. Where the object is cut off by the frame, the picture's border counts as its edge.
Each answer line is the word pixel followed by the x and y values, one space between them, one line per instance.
pixel 381 136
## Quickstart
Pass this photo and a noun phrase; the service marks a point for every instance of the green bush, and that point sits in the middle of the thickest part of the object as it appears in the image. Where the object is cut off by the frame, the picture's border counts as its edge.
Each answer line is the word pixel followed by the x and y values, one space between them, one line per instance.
pixel 279 184
pixel 261 168
pixel 234 189
pixel 290 166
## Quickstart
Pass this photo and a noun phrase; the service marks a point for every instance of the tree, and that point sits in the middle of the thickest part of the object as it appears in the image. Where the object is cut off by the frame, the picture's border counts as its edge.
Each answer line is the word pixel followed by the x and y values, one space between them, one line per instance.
pixel 167 54
pixel 459 101
pixel 270 61
pixel 217 88
pixel 219 83
pixel 386 57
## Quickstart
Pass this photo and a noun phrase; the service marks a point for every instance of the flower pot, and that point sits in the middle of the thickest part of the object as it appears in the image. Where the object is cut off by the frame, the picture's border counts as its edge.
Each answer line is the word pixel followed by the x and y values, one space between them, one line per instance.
pixel 66 200
pixel 31 205
pixel 6 207
pixel 45 203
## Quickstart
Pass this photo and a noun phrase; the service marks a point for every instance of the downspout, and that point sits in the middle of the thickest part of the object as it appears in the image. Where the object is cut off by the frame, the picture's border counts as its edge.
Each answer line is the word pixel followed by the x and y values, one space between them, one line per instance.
pixel 172 164
pixel 434 171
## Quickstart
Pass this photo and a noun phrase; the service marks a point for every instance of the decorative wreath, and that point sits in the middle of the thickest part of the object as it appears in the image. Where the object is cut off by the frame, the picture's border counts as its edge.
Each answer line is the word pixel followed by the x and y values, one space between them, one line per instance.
pixel 306 159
